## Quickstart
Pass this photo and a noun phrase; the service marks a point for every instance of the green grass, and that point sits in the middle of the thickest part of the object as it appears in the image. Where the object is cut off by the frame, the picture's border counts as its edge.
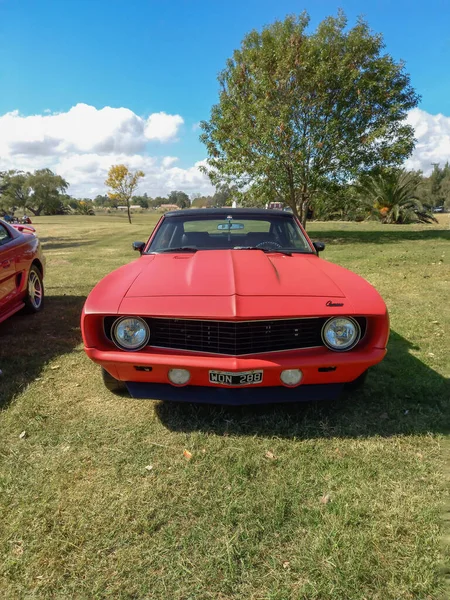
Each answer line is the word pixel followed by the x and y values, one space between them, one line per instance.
pixel 350 508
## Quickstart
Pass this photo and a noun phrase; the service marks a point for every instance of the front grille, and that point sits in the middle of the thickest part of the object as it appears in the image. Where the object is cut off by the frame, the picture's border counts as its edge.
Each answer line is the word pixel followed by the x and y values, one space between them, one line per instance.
pixel 236 338
pixel 233 337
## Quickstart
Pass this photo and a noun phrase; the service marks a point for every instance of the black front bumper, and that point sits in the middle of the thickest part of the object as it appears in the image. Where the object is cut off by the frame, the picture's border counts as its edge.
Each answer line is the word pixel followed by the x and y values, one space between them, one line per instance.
pixel 234 396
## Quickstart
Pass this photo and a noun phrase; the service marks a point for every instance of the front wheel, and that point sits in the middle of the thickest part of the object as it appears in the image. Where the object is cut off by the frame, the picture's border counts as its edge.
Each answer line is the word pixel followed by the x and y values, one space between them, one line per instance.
pixel 114 385
pixel 34 300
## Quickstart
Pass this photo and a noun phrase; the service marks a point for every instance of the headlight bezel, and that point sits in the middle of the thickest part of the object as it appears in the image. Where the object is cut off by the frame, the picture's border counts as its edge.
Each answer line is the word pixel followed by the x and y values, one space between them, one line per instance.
pixel 116 341
pixel 357 339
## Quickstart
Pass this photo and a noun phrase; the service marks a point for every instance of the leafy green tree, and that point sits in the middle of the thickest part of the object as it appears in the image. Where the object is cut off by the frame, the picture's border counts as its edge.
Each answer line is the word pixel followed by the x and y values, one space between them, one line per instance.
pixel 47 190
pixel 223 195
pixel 102 201
pixel 69 201
pixel 41 192
pixel 143 201
pixel 199 202
pixel 156 203
pixel 439 185
pixel 123 184
pixel 392 196
pixel 299 109
pixel 181 199
pixel 339 201
pixel 3 186
pixel 204 202
pixel 445 193
pixel 16 190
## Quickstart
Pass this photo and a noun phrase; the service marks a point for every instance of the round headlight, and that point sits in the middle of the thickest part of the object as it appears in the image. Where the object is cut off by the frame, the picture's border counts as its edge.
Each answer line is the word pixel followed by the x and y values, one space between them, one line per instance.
pixel 341 333
pixel 131 333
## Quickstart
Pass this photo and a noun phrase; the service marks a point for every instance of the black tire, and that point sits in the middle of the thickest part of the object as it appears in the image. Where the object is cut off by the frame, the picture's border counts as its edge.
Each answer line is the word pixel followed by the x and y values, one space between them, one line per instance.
pixel 357 383
pixel 114 385
pixel 34 300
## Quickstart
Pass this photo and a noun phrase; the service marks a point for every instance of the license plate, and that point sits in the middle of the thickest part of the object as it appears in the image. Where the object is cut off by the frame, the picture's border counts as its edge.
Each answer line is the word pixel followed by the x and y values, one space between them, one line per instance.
pixel 242 378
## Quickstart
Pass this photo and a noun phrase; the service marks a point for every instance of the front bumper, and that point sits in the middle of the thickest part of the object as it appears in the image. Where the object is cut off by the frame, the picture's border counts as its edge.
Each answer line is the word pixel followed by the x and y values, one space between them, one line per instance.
pixel 146 373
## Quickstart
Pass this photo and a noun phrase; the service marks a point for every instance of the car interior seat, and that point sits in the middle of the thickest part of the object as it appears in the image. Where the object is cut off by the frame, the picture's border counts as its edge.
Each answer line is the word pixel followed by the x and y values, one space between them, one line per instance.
pixel 199 239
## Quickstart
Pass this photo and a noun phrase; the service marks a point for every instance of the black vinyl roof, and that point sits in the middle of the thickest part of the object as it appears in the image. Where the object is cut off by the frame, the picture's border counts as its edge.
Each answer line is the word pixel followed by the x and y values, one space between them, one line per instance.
pixel 218 212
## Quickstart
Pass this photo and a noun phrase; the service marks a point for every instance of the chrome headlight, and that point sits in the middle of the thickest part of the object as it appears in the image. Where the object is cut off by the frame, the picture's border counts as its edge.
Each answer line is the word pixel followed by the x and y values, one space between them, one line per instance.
pixel 130 333
pixel 341 333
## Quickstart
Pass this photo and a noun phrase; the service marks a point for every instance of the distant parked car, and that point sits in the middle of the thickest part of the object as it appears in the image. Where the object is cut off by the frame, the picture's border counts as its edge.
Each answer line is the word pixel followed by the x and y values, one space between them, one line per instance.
pixel 21 270
pixel 438 209
pixel 233 306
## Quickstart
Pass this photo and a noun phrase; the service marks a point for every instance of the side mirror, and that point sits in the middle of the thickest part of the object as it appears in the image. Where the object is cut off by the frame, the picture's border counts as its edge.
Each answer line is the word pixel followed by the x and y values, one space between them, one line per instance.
pixel 139 246
pixel 319 246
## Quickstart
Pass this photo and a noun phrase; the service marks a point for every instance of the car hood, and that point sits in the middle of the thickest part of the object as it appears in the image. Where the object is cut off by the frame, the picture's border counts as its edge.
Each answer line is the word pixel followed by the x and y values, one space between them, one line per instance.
pixel 232 272
pixel 239 284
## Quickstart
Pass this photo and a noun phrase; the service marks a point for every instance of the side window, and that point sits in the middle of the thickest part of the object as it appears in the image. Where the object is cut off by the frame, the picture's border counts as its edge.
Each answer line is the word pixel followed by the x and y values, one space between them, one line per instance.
pixel 4 235
pixel 163 237
pixel 295 240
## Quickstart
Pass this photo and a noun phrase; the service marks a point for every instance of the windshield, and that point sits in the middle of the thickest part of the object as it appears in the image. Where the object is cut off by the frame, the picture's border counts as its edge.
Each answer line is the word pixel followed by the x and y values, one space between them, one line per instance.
pixel 241 232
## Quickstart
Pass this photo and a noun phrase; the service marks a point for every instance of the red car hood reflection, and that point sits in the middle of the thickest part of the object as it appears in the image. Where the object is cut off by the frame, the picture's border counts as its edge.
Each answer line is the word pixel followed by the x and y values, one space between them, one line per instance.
pixel 232 272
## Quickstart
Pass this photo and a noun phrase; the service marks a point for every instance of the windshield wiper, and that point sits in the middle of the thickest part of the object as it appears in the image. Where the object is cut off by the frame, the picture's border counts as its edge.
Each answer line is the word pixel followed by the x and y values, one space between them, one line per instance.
pixel 266 250
pixel 179 249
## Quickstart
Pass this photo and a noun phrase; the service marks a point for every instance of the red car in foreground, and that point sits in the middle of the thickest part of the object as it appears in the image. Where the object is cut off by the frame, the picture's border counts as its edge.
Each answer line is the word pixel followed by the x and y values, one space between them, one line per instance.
pixel 21 270
pixel 233 306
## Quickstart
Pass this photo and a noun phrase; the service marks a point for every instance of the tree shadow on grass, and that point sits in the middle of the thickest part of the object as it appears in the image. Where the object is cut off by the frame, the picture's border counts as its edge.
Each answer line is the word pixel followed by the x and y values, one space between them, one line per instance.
pixel 28 342
pixel 55 243
pixel 392 234
pixel 402 395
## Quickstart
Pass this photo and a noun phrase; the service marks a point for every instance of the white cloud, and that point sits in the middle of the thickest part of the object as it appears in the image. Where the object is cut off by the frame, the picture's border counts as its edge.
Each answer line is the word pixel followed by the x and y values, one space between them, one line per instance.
pixel 162 127
pixel 84 129
pixel 433 140
pixel 82 143
pixel 169 160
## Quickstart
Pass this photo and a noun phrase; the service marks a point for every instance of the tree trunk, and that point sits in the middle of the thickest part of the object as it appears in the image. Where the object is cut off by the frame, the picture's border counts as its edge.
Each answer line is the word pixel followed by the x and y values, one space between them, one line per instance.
pixel 36 211
pixel 292 201
pixel 305 206
pixel 304 202
pixel 129 213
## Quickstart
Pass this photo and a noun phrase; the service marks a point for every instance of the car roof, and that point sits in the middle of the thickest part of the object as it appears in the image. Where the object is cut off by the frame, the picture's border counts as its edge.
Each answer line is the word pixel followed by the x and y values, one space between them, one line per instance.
pixel 214 212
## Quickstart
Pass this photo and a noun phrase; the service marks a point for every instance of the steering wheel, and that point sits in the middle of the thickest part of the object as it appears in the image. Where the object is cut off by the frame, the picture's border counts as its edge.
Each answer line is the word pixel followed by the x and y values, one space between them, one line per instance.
pixel 268 245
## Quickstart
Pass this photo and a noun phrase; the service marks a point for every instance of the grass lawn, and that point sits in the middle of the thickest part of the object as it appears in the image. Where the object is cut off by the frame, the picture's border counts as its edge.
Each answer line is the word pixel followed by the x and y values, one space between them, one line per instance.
pixel 350 508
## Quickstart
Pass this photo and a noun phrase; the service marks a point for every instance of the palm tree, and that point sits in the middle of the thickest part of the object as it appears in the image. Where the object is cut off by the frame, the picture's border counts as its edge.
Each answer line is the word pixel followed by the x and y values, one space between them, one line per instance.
pixel 392 197
pixel 84 207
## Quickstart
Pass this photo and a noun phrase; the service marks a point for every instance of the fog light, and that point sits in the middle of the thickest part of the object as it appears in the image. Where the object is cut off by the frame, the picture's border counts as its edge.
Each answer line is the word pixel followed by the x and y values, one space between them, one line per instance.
pixel 291 376
pixel 179 376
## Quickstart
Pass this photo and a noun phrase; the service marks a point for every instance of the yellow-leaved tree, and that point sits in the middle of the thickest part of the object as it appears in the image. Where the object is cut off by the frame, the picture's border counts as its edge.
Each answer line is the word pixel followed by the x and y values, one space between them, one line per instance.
pixel 123 184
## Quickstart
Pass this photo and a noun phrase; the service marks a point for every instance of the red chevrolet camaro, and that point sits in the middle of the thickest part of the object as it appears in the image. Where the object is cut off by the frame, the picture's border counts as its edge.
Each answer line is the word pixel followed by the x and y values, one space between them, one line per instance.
pixel 233 306
pixel 21 270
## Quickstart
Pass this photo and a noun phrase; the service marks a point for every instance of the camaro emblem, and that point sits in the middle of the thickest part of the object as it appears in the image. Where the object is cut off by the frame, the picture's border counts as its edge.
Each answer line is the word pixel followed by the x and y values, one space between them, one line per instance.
pixel 330 303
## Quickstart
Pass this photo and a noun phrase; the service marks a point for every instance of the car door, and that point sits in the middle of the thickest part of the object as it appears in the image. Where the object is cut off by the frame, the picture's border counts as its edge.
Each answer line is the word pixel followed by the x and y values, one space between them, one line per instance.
pixel 8 288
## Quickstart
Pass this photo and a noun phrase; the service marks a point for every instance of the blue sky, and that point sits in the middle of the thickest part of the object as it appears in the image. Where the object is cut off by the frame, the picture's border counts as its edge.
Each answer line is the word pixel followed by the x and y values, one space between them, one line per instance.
pixel 152 56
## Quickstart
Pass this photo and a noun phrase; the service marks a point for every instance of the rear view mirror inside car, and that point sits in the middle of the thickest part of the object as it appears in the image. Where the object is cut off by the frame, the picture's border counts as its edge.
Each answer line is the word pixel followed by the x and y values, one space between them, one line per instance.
pixel 228 226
